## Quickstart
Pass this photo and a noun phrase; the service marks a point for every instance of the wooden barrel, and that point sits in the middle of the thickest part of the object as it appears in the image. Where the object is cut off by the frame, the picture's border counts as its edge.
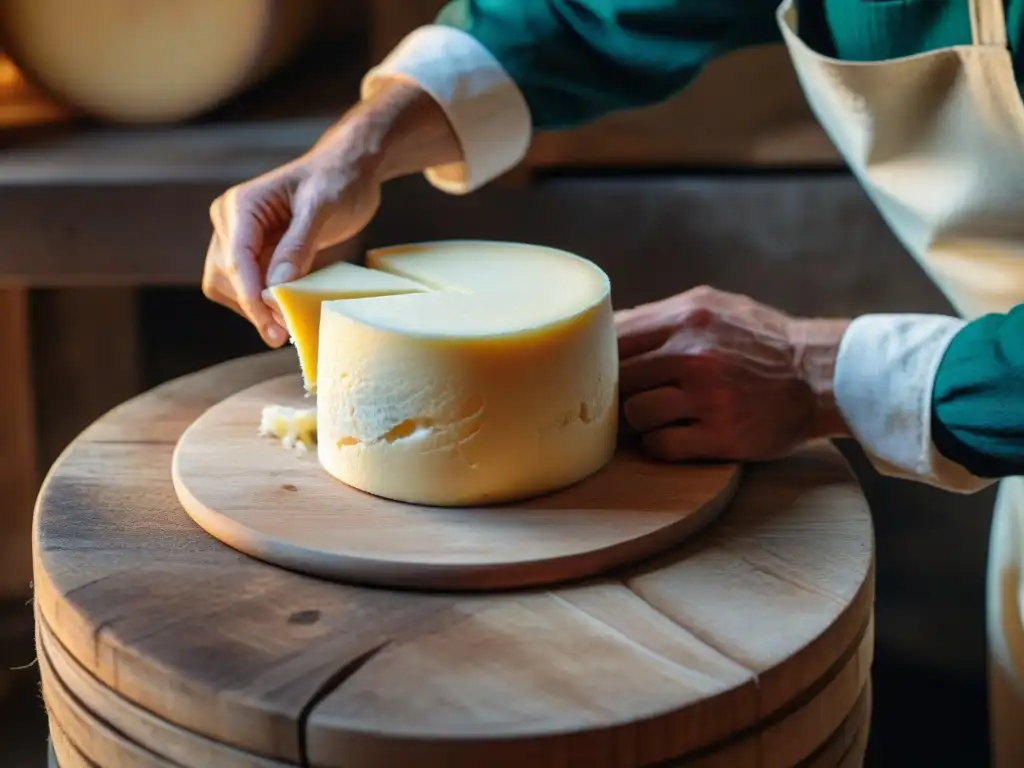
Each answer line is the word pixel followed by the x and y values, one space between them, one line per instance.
pixel 750 645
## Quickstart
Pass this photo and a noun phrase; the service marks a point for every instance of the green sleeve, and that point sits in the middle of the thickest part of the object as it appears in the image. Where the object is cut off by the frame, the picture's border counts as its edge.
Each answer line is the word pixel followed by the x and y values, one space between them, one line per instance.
pixel 978 397
pixel 577 60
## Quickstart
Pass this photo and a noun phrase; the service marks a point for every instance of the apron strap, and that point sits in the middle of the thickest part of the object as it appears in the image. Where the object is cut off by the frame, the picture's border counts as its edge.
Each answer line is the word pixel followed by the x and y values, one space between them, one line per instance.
pixel 988 23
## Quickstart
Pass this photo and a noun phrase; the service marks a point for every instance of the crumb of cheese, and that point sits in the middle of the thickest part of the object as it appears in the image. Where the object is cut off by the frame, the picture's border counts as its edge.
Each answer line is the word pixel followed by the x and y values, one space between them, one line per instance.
pixel 294 427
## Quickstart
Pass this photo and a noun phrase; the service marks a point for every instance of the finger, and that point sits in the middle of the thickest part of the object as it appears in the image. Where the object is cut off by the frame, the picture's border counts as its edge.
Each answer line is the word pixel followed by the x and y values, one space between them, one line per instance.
pixel 659 407
pixel 294 253
pixel 221 292
pixel 646 371
pixel 242 245
pixel 689 443
pixel 217 289
pixel 223 298
pixel 274 307
pixel 640 330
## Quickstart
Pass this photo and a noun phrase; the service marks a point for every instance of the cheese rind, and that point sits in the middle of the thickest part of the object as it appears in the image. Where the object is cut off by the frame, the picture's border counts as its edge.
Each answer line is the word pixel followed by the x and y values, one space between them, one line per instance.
pixel 300 300
pixel 501 385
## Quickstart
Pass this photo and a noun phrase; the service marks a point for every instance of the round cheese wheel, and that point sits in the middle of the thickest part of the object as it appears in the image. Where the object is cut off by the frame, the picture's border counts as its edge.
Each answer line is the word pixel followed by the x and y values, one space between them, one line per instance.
pixel 498 382
pixel 142 61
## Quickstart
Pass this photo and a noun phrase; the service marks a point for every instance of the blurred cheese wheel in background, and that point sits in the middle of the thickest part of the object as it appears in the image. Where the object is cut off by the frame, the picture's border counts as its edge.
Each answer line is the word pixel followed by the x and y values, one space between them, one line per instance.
pixel 151 61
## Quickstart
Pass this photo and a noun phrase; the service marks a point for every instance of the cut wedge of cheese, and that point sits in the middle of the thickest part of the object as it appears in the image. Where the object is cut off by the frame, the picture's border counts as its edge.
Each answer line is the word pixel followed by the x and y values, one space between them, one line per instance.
pixel 499 383
pixel 151 60
pixel 299 303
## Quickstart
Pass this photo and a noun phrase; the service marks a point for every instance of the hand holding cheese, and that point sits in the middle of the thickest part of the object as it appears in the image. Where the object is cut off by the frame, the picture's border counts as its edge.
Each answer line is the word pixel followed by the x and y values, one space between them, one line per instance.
pixel 459 373
pixel 268 230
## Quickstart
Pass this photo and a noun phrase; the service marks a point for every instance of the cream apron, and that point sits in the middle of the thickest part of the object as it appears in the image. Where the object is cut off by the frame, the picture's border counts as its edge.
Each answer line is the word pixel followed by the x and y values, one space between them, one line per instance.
pixel 937 141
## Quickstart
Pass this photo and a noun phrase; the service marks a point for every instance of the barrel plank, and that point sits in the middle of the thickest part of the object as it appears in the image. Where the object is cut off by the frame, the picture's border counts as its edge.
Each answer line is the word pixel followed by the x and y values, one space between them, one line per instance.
pixel 93 739
pixel 65 753
pixel 134 723
pixel 848 745
pixel 652 661
pixel 115 733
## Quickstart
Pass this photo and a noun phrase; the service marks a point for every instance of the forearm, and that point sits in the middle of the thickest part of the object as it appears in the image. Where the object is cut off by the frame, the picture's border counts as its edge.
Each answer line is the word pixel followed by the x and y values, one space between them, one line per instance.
pixel 397 130
pixel 816 344
pixel 414 132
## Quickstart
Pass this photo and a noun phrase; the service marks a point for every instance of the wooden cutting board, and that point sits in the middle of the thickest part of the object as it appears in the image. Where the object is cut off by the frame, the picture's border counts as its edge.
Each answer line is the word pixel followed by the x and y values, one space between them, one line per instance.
pixel 280 506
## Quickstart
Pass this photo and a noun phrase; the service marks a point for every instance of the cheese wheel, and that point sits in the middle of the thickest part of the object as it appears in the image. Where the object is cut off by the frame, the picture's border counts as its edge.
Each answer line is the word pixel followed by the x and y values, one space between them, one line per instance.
pixel 146 61
pixel 499 381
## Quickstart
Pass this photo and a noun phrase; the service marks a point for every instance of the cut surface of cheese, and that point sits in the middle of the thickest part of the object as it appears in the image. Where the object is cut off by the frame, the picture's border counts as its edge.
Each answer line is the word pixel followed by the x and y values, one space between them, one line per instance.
pixel 499 384
pixel 151 60
pixel 300 301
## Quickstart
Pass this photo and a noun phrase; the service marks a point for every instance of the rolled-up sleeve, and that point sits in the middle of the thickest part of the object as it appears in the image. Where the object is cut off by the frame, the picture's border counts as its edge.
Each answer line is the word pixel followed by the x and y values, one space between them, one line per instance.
pixel 504 68
pixel 893 387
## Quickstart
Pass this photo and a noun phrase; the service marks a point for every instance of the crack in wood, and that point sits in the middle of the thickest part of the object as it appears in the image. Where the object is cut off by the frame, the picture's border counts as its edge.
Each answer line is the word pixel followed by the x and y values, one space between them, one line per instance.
pixel 332 683
pixel 697 634
pixel 785 578
pixel 682 670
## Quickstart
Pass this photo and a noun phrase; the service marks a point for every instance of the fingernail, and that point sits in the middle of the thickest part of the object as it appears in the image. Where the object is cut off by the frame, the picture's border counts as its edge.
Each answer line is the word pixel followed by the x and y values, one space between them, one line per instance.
pixel 275 335
pixel 282 273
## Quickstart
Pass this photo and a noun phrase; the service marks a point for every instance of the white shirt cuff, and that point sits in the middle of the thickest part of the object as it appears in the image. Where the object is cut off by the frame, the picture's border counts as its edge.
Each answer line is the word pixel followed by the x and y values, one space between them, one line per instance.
pixel 486 109
pixel 884 378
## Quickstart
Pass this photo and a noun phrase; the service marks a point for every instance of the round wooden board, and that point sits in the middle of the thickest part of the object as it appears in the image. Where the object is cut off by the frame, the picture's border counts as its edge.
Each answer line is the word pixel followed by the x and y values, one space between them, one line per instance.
pixel 734 630
pixel 282 507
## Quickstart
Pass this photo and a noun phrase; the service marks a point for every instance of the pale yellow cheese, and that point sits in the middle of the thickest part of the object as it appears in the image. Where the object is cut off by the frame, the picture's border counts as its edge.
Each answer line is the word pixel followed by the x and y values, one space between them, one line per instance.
pixel 151 60
pixel 299 302
pixel 294 427
pixel 498 385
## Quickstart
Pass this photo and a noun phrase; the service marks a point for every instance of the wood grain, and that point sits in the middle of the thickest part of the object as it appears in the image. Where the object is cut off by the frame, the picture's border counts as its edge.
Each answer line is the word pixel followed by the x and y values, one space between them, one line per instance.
pixel 847 746
pixel 715 637
pixel 66 754
pixel 133 723
pixel 822 730
pixel 536 686
pixel 282 507
pixel 93 739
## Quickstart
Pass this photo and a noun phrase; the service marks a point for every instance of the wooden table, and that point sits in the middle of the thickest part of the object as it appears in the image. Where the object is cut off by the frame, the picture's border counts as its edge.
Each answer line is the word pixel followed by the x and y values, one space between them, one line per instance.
pixel 159 646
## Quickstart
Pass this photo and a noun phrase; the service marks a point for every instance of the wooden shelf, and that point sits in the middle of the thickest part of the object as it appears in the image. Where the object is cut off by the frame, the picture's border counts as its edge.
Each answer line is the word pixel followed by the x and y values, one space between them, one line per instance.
pixel 267 126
